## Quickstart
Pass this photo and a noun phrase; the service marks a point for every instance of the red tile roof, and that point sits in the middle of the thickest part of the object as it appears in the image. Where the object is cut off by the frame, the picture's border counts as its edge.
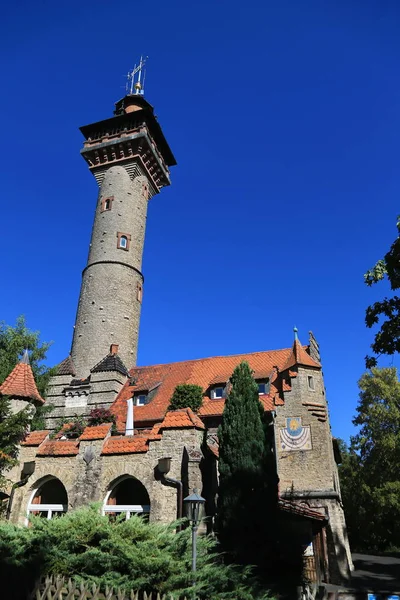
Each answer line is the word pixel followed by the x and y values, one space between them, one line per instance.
pixel 96 432
pixel 21 384
pixel 125 445
pixel 35 438
pixel 299 356
pixel 178 419
pixel 301 509
pixel 58 448
pixel 201 372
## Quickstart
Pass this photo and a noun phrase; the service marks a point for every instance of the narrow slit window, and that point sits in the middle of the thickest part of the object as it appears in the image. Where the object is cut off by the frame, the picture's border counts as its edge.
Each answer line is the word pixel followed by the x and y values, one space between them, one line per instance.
pixel 311 385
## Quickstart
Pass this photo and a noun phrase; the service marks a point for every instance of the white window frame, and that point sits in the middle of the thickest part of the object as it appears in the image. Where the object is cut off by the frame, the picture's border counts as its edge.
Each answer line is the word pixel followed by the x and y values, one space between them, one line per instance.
pixel 214 390
pixel 128 509
pixel 123 242
pixel 265 388
pixel 49 508
pixel 138 402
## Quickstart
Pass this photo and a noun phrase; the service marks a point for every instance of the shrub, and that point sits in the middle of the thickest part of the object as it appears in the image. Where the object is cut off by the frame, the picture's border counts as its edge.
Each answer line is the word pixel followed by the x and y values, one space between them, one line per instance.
pixel 126 554
pixel 187 395
pixel 98 416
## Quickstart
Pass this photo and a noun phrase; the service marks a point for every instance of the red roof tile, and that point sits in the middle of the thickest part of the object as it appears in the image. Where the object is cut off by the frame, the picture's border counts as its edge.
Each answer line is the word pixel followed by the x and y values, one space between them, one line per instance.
pixel 58 448
pixel 96 432
pixel 21 384
pixel 177 419
pixel 125 445
pixel 35 438
pixel 201 372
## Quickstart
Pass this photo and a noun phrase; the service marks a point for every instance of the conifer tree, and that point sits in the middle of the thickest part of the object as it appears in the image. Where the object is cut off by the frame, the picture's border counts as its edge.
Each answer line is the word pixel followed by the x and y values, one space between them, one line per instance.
pixel 246 488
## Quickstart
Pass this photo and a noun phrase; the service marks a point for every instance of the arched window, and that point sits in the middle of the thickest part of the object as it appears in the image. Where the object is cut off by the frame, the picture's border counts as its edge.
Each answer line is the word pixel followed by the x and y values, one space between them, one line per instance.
pixel 49 499
pixel 123 241
pixel 107 204
pixel 127 495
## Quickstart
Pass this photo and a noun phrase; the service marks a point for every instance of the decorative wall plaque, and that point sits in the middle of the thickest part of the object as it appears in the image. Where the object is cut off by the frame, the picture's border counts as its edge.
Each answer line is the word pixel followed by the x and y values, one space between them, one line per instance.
pixel 295 436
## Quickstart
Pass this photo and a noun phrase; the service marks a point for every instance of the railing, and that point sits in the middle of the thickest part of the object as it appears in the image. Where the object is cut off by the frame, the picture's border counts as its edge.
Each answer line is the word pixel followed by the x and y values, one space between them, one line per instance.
pixel 61 588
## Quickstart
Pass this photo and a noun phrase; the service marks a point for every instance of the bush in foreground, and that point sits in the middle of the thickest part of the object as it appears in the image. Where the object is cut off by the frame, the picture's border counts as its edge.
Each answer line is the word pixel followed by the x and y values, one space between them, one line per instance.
pixel 125 554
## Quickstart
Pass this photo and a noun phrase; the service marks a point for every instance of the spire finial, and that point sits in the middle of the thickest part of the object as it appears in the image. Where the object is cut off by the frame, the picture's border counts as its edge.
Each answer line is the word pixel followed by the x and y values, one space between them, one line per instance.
pixel 25 357
pixel 296 337
pixel 135 85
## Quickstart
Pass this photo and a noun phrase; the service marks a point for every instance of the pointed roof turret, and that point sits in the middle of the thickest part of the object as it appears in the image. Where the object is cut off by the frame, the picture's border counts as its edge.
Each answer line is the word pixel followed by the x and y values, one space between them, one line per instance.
pixel 66 367
pixel 111 362
pixel 21 383
pixel 299 356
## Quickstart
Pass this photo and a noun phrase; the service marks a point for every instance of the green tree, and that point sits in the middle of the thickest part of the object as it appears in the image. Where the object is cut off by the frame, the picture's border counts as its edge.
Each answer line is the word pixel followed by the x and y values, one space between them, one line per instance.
pixel 128 555
pixel 13 342
pixel 246 489
pixel 370 473
pixel 12 430
pixel 387 338
pixel 187 395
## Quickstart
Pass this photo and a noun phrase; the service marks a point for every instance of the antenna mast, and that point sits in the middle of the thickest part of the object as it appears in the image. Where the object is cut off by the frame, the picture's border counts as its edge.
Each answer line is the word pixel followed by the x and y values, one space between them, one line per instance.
pixel 135 85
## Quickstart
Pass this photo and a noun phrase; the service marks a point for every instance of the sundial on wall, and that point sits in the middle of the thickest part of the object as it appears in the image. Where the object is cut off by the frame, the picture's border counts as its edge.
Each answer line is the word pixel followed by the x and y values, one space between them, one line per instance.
pixel 295 436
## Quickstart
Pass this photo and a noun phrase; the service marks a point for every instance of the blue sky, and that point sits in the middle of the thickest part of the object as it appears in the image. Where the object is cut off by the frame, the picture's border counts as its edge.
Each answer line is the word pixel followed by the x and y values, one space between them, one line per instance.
pixel 284 118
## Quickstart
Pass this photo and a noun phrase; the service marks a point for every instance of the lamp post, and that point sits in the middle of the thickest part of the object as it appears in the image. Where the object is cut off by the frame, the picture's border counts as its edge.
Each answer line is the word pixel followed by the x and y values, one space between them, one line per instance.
pixel 193 504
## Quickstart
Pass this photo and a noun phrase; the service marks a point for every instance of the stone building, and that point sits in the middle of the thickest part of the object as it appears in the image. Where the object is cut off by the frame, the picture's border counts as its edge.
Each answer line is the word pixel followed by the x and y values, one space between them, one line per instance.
pixel 155 456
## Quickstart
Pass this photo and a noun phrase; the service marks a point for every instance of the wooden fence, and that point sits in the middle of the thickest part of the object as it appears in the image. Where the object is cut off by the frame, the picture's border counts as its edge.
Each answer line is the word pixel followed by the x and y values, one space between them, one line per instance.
pixel 59 588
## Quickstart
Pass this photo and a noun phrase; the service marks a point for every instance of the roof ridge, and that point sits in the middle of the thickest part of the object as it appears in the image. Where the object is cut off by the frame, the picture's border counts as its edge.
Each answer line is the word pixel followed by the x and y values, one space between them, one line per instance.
pixel 192 360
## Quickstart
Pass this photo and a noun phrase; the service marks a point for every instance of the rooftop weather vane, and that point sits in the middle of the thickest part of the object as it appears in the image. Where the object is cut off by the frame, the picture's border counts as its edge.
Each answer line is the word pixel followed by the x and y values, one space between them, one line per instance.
pixel 135 85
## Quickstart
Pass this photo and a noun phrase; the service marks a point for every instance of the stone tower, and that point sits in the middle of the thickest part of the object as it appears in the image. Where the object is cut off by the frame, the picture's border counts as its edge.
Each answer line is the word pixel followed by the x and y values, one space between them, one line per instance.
pixel 130 159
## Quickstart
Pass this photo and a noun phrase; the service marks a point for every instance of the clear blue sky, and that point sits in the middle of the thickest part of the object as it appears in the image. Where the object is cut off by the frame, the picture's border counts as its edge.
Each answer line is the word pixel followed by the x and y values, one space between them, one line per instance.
pixel 284 118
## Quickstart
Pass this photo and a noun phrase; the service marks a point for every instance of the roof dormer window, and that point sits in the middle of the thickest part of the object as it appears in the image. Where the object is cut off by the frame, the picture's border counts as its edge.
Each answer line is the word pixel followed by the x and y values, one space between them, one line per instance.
pixel 218 392
pixel 140 399
pixel 263 387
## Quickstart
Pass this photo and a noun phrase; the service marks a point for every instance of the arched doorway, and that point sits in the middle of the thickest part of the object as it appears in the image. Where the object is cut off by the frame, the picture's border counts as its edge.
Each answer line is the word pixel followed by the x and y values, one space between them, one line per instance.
pixel 49 499
pixel 127 495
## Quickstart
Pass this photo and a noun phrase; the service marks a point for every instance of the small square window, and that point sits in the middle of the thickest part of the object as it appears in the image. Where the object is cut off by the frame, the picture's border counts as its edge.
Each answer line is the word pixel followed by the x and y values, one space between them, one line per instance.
pixel 218 392
pixel 311 385
pixel 263 387
pixel 141 399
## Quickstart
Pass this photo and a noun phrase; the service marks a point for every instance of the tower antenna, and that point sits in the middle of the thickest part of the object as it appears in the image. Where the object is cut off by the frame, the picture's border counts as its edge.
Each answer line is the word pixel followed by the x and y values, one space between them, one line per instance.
pixel 136 77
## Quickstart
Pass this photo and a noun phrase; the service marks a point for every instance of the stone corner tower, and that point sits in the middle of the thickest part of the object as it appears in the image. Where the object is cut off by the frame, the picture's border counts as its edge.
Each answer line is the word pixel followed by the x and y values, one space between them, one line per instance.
pixel 130 159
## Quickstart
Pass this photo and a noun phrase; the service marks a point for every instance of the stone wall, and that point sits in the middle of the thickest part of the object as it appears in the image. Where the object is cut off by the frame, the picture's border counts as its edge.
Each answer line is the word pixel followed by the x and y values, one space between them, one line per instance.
pixel 89 482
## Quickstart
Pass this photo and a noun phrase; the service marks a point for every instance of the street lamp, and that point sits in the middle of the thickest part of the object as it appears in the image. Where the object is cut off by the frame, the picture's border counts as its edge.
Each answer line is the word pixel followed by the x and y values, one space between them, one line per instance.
pixel 193 504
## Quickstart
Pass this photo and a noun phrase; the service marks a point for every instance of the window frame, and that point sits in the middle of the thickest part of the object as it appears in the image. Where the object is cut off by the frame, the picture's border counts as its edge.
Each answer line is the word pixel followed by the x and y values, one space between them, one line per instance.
pixel 126 236
pixel 213 392
pixel 137 396
pixel 107 199
pixel 311 383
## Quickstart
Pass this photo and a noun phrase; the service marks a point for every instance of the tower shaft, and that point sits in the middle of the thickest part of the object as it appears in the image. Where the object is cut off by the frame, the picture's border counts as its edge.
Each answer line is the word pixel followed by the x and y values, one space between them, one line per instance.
pixel 112 282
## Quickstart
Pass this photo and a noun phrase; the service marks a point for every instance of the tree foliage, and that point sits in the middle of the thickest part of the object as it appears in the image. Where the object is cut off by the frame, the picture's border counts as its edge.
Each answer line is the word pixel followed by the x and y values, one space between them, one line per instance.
pixel 187 395
pixel 13 342
pixel 12 430
pixel 128 555
pixel 370 472
pixel 247 483
pixel 387 338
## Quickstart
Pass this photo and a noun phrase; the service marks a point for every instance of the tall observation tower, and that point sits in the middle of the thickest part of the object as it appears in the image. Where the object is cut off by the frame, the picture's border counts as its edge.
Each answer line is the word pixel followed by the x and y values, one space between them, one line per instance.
pixel 130 159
